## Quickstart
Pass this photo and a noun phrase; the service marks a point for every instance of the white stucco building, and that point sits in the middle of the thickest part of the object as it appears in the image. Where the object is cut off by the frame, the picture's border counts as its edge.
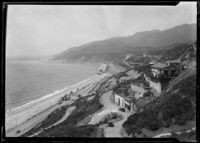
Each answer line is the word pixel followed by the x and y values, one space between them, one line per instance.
pixel 157 69
pixel 125 102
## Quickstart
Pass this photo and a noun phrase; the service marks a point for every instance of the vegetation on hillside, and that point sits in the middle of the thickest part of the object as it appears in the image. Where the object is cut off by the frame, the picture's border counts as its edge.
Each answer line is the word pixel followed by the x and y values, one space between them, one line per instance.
pixel 141 59
pixel 68 127
pixel 175 52
pixel 176 107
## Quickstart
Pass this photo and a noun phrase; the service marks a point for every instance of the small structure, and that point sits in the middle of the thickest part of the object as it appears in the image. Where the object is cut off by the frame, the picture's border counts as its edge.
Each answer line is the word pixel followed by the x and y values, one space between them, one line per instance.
pixel 125 98
pixel 124 101
pixel 157 69
pixel 161 73
pixel 64 98
pixel 103 68
pixel 70 96
pixel 167 70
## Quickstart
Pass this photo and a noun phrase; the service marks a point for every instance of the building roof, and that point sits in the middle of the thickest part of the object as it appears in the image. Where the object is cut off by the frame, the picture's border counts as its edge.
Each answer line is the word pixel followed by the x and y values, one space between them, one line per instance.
pixel 159 65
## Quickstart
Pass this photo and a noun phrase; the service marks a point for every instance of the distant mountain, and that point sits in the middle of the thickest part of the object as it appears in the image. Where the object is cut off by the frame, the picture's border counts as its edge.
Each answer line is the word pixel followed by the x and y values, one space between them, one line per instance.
pixel 113 48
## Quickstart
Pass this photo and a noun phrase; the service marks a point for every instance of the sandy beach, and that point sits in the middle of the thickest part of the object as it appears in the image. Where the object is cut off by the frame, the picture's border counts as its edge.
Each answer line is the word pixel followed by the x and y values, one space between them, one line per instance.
pixel 25 117
pixel 31 114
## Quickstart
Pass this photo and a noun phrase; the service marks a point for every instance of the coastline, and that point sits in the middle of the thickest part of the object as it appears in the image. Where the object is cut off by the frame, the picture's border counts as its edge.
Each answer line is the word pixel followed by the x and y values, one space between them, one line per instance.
pixel 49 95
pixel 113 69
pixel 29 93
pixel 20 116
pixel 23 113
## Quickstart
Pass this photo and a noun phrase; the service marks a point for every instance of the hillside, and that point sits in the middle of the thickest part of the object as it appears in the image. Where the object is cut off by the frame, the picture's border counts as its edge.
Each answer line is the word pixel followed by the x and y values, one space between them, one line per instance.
pixel 185 52
pixel 173 112
pixel 114 48
pixel 70 127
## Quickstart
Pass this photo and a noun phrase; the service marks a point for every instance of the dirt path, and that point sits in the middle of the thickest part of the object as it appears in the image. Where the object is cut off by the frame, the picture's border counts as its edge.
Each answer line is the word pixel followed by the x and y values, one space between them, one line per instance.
pixel 108 108
pixel 68 112
pixel 116 130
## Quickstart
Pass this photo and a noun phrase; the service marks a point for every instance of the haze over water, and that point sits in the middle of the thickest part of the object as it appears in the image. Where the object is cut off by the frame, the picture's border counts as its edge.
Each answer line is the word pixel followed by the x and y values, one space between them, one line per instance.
pixel 32 79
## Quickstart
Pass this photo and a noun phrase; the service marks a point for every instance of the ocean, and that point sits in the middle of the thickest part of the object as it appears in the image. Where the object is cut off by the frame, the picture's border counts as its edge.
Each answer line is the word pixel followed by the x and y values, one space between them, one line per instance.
pixel 30 80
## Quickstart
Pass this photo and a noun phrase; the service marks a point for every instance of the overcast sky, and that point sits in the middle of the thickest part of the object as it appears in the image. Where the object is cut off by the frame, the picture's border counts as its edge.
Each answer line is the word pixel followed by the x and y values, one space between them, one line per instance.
pixel 34 30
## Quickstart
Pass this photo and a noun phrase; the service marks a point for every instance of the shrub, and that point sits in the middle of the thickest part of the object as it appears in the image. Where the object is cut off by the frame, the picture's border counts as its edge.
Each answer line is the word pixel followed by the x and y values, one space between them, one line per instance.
pixel 174 108
pixel 122 109
pixel 147 119
pixel 81 131
pixel 115 116
pixel 83 109
pixel 110 124
pixel 154 125
pixel 18 131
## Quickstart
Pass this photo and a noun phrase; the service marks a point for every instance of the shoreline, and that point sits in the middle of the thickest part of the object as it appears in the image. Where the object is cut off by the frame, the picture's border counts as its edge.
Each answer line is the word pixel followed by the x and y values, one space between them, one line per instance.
pixel 51 94
pixel 21 114
pixel 35 99
pixel 42 97
pixel 26 101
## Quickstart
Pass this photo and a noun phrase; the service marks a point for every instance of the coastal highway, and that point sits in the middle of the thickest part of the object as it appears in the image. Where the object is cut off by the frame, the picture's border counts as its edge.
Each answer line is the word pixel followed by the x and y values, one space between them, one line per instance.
pixel 18 116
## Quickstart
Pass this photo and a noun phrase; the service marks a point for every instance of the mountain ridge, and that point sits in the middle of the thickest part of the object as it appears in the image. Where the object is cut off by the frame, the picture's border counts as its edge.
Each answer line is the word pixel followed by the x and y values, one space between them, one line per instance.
pixel 140 41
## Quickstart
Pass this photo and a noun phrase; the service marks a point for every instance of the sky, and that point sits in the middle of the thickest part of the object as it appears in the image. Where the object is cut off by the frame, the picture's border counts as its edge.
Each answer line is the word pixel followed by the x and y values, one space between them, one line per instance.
pixel 45 30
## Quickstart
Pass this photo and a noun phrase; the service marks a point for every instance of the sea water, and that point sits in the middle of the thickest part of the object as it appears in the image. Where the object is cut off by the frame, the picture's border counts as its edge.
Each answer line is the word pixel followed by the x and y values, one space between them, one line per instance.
pixel 32 79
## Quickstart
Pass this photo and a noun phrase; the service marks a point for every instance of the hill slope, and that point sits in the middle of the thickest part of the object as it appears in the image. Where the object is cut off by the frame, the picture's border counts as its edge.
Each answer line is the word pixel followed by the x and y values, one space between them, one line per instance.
pixel 174 111
pixel 141 41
